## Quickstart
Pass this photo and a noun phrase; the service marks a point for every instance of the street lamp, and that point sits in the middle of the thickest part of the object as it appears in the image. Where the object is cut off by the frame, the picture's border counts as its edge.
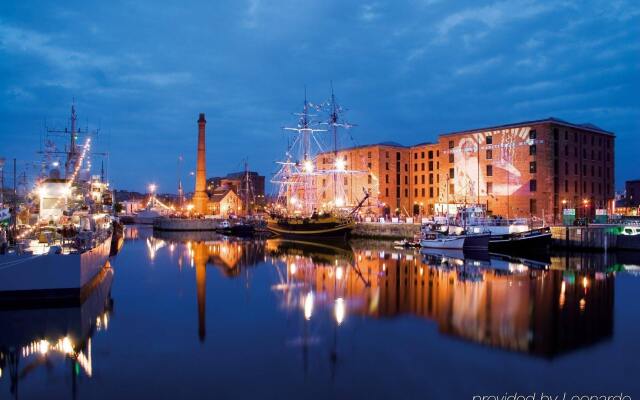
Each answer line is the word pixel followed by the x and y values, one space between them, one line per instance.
pixel 585 203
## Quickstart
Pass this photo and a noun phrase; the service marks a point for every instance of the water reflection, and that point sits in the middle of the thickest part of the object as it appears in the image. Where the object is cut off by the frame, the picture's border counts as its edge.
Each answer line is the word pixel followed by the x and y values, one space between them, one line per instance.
pixel 529 306
pixel 231 256
pixel 42 338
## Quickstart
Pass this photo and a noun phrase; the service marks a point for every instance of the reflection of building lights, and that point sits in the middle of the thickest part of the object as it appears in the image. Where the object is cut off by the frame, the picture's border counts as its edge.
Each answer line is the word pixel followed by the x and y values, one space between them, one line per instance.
pixel 585 282
pixel 339 310
pixel 66 345
pixel 43 347
pixel 583 304
pixel 308 306
pixel 339 273
pixel 563 288
pixel 293 268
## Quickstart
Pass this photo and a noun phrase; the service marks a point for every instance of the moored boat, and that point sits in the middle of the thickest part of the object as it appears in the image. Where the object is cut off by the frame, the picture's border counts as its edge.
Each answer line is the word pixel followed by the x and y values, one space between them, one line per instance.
pixel 531 240
pixel 329 226
pixel 437 240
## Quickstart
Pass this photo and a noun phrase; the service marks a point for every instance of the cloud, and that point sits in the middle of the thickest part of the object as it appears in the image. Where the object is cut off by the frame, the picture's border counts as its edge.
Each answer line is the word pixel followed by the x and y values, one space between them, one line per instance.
pixel 33 43
pixel 18 93
pixel 370 12
pixel 251 15
pixel 478 67
pixel 492 15
pixel 159 79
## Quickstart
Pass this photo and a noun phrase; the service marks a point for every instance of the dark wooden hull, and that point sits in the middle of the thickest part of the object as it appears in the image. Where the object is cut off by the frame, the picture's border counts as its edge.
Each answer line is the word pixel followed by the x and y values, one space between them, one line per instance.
pixel 311 230
pixel 530 241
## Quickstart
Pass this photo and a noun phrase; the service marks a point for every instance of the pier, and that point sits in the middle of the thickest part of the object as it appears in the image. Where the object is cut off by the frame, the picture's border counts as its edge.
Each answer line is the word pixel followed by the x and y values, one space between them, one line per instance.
pixel 593 237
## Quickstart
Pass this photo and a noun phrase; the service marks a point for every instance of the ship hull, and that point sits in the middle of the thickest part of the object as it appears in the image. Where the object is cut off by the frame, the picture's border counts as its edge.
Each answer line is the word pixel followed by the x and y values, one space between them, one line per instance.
pixel 311 230
pixel 443 243
pixel 477 242
pixel 538 239
pixel 25 277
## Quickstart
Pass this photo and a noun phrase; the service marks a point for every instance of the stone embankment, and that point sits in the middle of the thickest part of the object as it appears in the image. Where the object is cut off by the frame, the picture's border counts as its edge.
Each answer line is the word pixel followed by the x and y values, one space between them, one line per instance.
pixel 377 230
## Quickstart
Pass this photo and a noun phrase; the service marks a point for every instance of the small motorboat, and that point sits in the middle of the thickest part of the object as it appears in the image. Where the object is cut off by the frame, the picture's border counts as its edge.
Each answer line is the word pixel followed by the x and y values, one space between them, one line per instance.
pixel 437 240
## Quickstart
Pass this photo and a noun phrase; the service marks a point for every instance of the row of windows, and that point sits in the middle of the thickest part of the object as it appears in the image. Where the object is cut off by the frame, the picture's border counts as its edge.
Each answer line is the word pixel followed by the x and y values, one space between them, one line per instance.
pixel 429 154
pixel 423 192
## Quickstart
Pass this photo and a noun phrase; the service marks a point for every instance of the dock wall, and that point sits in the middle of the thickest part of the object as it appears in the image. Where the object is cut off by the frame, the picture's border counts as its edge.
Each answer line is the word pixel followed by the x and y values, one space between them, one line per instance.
pixel 593 237
pixel 385 230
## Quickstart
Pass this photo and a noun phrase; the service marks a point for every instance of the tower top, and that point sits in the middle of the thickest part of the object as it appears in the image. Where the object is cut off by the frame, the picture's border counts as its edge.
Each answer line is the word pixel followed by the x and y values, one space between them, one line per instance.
pixel 201 119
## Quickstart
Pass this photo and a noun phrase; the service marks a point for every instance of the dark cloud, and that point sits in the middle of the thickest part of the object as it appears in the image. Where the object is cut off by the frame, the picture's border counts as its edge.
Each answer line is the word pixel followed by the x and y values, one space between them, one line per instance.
pixel 142 71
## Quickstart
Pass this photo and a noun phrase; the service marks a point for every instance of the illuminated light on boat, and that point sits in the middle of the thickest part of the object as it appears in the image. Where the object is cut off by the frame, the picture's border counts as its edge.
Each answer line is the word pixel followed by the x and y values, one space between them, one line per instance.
pixel 308 166
pixel 339 202
pixel 339 273
pixel 308 306
pixel 341 164
pixel 43 347
pixel 339 310
pixel 293 268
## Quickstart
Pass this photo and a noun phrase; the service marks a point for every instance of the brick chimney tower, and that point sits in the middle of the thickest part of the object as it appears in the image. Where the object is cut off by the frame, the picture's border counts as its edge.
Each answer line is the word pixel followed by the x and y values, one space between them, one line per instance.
pixel 200 197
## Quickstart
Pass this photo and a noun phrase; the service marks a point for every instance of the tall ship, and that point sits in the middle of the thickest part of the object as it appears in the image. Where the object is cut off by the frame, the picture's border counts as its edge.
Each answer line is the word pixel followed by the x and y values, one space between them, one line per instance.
pixel 299 210
pixel 60 232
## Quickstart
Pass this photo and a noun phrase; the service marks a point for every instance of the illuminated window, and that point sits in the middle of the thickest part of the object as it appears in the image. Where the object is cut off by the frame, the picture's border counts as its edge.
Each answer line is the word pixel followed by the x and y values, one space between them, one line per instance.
pixel 489 154
pixel 532 167
pixel 489 170
pixel 451 158
pixel 532 134
pixel 489 139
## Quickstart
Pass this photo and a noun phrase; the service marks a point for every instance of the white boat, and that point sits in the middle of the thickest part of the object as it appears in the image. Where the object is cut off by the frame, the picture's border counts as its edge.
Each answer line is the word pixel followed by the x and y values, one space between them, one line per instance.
pixel 58 254
pixel 42 271
pixel 146 217
pixel 436 240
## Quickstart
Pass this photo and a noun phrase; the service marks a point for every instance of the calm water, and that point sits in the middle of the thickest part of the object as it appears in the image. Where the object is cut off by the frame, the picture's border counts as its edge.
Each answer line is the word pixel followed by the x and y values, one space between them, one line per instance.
pixel 212 317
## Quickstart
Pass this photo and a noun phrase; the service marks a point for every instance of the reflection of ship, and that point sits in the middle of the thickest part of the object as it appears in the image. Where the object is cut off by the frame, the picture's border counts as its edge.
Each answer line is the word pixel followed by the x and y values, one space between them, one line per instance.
pixel 45 336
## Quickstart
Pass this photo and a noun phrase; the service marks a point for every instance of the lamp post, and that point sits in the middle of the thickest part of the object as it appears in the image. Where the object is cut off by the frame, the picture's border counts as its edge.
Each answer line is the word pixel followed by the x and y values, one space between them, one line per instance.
pixel 585 203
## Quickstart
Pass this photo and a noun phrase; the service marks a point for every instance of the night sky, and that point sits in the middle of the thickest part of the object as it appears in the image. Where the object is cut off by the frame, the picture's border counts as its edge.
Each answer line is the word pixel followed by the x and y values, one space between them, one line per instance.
pixel 407 71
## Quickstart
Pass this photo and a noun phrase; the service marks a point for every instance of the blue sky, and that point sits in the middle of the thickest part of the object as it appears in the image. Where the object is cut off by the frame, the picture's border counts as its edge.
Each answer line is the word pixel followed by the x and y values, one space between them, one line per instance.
pixel 407 71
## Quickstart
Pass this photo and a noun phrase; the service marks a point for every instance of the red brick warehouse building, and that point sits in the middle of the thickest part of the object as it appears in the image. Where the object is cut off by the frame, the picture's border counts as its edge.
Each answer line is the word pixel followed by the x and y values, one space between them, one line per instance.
pixel 524 169
pixel 533 168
